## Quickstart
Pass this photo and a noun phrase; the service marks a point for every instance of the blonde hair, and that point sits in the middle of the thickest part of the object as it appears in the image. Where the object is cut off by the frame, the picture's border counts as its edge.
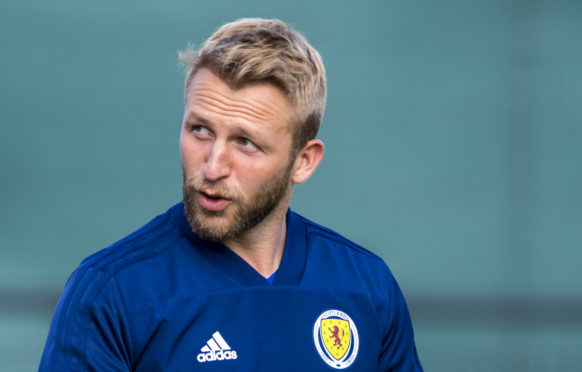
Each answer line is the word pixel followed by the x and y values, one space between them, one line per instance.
pixel 255 50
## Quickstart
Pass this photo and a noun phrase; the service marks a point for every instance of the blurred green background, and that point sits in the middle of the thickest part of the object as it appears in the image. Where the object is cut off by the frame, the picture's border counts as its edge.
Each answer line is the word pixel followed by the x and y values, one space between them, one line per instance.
pixel 453 140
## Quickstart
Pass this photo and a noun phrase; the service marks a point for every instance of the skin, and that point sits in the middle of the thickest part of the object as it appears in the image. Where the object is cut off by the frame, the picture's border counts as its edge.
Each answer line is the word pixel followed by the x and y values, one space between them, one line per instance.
pixel 236 148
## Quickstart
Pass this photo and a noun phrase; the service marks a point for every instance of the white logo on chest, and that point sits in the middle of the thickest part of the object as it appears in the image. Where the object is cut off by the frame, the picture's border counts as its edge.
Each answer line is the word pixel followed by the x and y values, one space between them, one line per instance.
pixel 216 349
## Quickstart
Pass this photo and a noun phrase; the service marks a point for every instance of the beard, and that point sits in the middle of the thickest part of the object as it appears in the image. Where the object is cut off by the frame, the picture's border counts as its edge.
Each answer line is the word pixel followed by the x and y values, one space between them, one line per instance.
pixel 249 211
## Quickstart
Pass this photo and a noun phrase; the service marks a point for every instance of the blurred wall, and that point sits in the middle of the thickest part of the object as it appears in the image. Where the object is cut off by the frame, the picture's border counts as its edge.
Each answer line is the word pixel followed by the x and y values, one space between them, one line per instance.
pixel 453 140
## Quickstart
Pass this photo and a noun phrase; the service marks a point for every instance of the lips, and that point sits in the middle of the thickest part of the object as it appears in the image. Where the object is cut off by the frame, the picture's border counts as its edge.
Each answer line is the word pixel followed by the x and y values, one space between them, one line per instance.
pixel 212 202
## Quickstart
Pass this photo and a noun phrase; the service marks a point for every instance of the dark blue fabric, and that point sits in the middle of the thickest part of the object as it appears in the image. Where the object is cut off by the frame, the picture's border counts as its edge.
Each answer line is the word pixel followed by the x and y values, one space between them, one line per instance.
pixel 155 301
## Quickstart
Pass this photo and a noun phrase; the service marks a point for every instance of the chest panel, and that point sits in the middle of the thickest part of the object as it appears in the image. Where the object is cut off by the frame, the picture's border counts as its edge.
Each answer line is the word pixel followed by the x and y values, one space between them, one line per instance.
pixel 261 329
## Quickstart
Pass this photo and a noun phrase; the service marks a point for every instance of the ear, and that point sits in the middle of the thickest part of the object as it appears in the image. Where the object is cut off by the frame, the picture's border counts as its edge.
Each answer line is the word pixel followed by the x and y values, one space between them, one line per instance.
pixel 307 161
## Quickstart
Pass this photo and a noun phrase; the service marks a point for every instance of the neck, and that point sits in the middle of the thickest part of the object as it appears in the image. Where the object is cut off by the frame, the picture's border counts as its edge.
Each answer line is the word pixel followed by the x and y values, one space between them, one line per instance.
pixel 262 247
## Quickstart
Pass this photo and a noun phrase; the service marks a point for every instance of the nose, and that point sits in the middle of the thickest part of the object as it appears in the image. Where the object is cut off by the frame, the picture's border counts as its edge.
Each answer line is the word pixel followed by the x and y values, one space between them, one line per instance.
pixel 217 165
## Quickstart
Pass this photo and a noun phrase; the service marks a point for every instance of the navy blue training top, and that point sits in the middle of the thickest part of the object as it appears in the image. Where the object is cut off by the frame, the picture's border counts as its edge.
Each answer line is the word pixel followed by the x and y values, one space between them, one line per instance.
pixel 162 299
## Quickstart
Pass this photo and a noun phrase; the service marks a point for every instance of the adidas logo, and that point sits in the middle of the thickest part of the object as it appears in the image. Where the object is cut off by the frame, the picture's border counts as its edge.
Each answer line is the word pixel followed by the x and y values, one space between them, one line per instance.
pixel 215 349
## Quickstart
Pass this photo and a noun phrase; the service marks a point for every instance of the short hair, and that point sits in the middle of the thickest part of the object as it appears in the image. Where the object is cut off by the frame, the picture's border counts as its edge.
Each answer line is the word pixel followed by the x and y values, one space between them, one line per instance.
pixel 254 50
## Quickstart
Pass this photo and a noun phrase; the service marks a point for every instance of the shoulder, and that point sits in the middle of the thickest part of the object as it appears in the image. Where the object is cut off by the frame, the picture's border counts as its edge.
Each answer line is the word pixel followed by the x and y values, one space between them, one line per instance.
pixel 132 259
pixel 353 267
pixel 326 238
pixel 93 295
pixel 152 239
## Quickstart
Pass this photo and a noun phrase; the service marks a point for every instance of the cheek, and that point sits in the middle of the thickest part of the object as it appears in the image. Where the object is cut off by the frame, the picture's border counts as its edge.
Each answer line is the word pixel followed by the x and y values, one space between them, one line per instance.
pixel 189 152
pixel 253 177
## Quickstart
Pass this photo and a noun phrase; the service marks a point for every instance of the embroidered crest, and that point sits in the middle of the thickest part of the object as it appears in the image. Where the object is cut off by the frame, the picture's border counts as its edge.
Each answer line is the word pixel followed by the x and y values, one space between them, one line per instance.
pixel 336 338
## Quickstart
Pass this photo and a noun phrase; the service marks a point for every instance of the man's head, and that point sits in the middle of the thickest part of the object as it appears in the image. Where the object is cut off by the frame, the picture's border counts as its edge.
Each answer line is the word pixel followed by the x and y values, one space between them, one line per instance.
pixel 254 98
pixel 265 50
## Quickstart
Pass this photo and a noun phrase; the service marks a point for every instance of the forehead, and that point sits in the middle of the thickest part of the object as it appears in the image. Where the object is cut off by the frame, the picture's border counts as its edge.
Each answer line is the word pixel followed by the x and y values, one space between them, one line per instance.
pixel 259 103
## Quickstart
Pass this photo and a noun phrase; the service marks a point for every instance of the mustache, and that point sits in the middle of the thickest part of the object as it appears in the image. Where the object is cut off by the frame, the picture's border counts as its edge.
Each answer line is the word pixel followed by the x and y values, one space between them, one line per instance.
pixel 215 189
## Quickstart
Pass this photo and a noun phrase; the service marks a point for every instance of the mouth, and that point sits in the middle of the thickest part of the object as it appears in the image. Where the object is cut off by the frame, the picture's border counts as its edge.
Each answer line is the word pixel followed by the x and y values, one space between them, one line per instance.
pixel 212 202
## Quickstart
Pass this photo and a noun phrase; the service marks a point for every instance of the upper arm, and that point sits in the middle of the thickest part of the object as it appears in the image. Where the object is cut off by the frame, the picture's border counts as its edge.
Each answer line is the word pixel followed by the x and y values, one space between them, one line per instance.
pixel 89 329
pixel 398 351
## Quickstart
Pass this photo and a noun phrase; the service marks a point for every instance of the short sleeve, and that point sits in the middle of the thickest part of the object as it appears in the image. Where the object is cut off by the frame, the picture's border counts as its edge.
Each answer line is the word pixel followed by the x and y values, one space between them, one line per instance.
pixel 398 352
pixel 89 330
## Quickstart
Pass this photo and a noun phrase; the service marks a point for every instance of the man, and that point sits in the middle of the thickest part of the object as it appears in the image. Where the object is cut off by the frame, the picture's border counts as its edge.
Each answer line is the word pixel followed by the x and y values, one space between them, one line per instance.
pixel 231 279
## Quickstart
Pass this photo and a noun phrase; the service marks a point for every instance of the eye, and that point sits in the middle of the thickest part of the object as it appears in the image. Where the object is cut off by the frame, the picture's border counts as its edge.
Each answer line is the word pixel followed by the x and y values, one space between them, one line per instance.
pixel 200 131
pixel 247 144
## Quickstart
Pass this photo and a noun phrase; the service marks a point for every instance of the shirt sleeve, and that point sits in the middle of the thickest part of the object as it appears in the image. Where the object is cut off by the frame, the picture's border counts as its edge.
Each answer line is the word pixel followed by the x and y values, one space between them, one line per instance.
pixel 89 330
pixel 398 352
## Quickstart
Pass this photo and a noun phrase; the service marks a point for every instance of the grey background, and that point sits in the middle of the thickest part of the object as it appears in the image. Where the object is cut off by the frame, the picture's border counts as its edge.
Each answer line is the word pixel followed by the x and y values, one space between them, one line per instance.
pixel 453 148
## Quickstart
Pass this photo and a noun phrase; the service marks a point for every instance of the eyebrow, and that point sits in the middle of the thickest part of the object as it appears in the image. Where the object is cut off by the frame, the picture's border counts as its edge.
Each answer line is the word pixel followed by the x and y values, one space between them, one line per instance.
pixel 239 130
pixel 194 117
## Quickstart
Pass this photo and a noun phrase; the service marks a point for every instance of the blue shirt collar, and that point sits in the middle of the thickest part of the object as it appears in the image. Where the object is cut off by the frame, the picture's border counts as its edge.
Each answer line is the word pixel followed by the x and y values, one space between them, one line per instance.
pixel 230 264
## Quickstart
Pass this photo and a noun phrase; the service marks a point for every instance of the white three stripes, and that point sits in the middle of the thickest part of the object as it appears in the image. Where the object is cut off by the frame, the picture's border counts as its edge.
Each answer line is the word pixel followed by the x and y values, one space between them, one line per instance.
pixel 215 343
